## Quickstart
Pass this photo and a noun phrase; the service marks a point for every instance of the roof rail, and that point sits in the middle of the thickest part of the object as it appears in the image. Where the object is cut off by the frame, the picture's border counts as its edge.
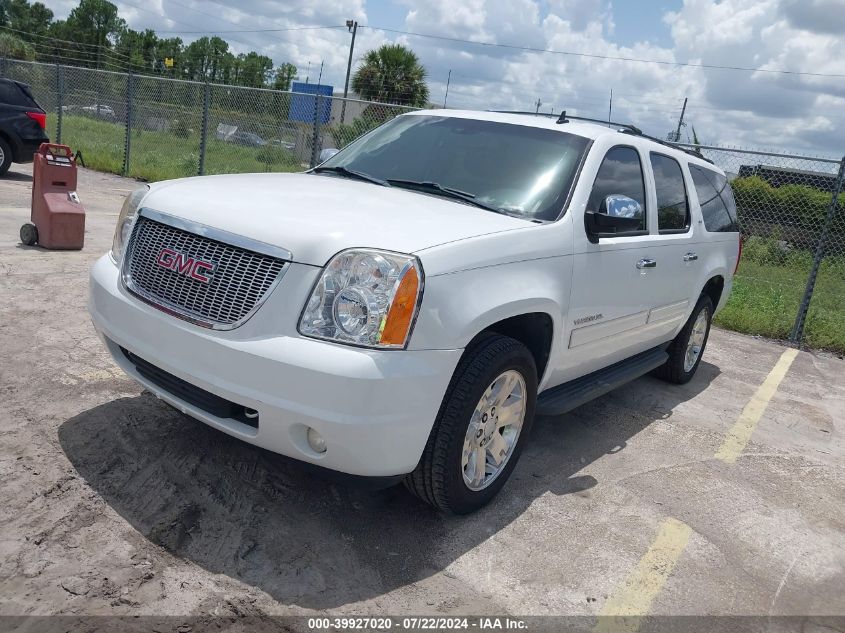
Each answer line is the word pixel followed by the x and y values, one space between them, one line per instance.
pixel 685 150
pixel 624 128
pixel 545 114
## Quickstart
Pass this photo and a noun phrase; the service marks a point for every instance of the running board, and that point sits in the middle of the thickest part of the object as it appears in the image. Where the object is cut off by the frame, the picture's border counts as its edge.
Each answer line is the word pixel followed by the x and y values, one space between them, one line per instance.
pixel 570 395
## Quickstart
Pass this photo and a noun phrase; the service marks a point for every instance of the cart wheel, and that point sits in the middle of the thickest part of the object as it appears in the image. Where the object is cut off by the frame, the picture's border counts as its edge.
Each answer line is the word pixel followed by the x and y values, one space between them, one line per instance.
pixel 29 234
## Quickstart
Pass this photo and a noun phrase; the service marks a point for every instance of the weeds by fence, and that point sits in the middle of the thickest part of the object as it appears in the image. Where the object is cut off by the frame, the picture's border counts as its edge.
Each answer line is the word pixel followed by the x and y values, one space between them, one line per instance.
pixel 790 283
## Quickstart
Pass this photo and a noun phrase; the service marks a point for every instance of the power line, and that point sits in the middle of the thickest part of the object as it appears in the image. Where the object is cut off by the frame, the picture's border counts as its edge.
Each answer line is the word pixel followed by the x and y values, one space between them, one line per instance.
pixel 107 55
pixel 132 4
pixel 231 31
pixel 531 49
pixel 297 28
pixel 102 47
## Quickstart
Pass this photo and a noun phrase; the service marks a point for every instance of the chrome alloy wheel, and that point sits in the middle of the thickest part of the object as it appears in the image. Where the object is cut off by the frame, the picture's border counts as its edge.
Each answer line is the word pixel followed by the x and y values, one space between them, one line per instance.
pixel 696 340
pixel 493 430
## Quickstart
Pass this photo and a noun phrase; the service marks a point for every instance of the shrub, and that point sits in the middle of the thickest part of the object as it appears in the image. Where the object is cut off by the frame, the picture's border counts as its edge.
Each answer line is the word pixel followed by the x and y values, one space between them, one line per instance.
pixel 756 199
pixel 372 117
pixel 180 128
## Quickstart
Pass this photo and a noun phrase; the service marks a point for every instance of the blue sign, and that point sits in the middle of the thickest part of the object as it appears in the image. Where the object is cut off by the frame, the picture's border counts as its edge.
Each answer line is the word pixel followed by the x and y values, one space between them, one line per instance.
pixel 302 106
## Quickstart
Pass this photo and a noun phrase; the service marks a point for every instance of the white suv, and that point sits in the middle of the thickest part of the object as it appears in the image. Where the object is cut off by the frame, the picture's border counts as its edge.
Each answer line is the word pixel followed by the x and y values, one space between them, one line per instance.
pixel 403 310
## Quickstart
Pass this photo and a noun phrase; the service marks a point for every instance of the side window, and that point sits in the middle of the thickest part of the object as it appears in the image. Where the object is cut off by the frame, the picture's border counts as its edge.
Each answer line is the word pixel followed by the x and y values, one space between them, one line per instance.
pixel 716 199
pixel 672 204
pixel 621 173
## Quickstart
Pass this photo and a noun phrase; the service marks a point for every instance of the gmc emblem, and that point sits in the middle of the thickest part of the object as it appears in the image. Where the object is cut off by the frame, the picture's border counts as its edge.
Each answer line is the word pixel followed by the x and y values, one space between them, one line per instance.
pixel 197 269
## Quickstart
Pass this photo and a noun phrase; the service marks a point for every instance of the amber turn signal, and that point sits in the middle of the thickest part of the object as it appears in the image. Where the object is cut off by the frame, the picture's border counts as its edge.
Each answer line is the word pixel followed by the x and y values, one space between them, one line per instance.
pixel 398 321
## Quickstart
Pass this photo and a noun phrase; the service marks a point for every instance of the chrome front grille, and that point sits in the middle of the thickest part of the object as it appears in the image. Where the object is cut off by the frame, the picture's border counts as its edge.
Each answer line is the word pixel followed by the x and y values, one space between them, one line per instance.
pixel 238 281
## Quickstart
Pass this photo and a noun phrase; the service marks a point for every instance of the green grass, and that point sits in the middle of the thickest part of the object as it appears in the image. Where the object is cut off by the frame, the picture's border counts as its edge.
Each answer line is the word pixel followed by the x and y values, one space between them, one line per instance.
pixel 163 155
pixel 766 297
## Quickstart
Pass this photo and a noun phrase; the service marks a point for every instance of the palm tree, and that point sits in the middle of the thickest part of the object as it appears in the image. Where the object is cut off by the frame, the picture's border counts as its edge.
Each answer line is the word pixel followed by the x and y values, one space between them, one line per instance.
pixel 392 74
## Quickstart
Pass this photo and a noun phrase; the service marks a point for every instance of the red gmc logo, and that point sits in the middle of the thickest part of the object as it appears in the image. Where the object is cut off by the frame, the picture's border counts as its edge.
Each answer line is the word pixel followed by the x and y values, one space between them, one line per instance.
pixel 197 269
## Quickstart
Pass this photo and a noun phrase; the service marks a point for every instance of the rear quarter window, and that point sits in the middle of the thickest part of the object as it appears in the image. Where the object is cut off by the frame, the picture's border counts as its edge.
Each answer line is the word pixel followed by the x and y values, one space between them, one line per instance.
pixel 715 197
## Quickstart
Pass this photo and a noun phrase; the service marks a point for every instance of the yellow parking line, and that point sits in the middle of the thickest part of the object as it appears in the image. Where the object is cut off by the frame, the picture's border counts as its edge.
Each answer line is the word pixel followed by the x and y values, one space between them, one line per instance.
pixel 624 609
pixel 741 432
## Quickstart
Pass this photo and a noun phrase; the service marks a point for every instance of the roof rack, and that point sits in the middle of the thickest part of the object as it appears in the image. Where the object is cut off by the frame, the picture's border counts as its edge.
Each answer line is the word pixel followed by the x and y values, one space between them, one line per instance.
pixel 685 150
pixel 545 114
pixel 623 128
pixel 626 128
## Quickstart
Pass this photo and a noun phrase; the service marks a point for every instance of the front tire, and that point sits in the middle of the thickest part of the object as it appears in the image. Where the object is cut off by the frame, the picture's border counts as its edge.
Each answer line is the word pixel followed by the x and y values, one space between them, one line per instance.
pixel 481 428
pixel 687 348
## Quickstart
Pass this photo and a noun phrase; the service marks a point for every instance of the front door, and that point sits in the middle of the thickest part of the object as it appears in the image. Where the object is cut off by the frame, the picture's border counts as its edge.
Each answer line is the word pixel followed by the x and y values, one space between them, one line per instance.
pixel 614 281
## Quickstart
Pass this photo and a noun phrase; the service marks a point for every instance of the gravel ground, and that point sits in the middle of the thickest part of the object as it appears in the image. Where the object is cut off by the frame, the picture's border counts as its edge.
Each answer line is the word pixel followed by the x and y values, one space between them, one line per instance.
pixel 113 503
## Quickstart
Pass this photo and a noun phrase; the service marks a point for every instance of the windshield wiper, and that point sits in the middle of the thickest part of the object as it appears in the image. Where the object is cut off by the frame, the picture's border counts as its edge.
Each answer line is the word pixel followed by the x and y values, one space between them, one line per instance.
pixel 448 192
pixel 351 173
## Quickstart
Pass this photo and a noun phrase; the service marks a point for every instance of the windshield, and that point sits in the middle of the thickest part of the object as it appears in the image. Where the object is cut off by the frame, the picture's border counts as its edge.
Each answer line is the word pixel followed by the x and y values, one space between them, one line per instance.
pixel 519 170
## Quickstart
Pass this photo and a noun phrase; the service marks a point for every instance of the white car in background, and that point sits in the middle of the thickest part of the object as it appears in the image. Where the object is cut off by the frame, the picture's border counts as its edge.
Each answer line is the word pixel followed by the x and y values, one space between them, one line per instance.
pixel 403 310
pixel 101 111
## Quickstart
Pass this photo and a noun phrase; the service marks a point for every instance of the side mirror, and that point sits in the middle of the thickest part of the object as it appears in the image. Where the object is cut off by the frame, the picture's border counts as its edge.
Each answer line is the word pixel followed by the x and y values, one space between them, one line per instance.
pixel 327 153
pixel 618 214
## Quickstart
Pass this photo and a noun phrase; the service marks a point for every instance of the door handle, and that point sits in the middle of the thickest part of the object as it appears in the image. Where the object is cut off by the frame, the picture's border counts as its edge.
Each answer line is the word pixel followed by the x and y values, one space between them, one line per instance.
pixel 690 257
pixel 646 263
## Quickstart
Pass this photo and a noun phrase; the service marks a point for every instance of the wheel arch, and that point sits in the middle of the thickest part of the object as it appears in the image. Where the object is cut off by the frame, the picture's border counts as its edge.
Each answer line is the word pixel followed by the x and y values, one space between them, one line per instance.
pixel 714 288
pixel 535 330
pixel 14 145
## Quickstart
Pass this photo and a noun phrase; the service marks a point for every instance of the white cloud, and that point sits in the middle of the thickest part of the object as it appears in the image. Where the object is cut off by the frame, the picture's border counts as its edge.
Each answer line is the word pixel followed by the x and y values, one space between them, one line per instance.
pixel 796 112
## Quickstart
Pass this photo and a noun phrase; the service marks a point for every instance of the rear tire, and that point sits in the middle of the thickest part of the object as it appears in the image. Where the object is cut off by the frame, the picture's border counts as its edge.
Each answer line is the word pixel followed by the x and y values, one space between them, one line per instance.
pixel 5 156
pixel 494 382
pixel 683 357
pixel 29 234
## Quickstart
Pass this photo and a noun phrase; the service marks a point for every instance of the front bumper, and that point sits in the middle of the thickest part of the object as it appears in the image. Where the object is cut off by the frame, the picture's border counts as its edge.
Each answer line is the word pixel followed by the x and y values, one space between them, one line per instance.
pixel 375 408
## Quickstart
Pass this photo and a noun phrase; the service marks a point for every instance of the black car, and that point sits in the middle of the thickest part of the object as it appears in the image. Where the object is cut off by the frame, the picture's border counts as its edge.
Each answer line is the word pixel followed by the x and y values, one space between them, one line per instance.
pixel 22 123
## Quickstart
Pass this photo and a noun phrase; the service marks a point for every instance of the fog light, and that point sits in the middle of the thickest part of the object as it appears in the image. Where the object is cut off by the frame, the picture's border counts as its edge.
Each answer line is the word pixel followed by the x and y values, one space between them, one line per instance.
pixel 316 441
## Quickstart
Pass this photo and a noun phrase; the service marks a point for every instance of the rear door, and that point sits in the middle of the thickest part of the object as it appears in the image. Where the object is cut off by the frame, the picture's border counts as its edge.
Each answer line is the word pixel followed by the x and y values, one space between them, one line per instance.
pixel 677 285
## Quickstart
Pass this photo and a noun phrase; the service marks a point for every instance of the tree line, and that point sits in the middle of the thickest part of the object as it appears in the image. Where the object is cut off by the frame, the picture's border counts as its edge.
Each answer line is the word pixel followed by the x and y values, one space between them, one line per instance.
pixel 95 36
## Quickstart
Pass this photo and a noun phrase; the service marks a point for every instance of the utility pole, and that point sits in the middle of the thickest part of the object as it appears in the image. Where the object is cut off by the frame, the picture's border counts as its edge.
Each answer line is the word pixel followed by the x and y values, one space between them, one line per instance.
pixel 538 104
pixel 99 79
pixel 610 106
pixel 680 121
pixel 352 25
pixel 448 79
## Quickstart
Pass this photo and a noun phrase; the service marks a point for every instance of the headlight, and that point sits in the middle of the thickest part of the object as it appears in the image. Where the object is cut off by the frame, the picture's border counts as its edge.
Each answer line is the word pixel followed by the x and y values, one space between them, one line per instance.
pixel 365 297
pixel 124 221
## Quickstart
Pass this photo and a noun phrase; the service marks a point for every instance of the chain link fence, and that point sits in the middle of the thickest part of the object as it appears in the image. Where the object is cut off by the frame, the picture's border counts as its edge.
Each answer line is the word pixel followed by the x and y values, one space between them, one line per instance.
pixel 791 279
pixel 156 128
pixel 790 283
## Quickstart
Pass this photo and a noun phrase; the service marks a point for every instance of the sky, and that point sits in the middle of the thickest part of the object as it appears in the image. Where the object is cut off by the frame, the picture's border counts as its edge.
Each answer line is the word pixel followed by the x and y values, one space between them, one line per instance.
pixel 762 108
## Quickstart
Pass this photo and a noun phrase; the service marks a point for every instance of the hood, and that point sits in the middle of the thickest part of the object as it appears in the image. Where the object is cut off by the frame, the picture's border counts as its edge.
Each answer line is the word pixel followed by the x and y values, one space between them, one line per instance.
pixel 314 216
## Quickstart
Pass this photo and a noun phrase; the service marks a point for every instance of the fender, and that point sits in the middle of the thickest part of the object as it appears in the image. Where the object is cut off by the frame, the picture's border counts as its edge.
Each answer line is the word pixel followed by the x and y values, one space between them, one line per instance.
pixel 457 306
